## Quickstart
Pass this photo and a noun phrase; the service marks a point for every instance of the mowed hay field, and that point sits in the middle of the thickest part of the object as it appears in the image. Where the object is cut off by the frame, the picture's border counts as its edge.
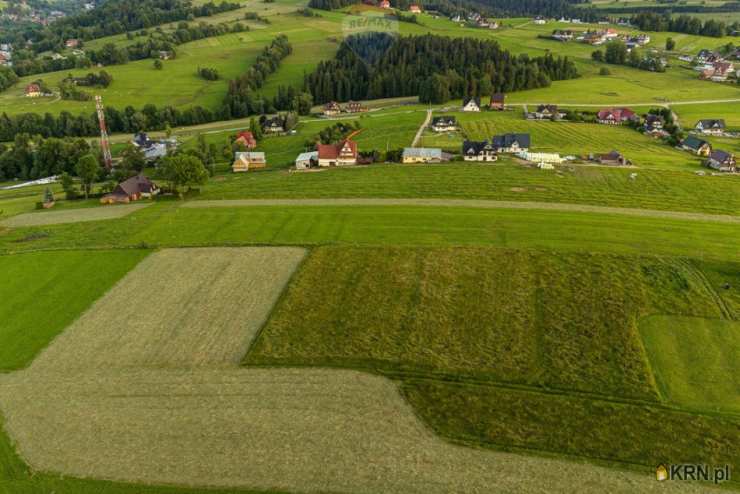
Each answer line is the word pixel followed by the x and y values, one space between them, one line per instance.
pixel 41 218
pixel 527 347
pixel 137 415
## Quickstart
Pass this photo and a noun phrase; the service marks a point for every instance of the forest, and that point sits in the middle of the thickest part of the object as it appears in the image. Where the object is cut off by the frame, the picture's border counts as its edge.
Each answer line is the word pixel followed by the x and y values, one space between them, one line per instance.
pixel 648 21
pixel 437 68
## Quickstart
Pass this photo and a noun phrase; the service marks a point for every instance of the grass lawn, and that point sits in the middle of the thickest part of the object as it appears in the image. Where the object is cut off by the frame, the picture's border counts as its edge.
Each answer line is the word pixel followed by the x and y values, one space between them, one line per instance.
pixel 44 281
pixel 696 361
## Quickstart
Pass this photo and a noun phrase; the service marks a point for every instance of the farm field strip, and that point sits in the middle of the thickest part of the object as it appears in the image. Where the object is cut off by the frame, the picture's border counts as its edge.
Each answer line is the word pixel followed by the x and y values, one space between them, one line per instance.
pixel 136 414
pixel 464 203
pixel 72 215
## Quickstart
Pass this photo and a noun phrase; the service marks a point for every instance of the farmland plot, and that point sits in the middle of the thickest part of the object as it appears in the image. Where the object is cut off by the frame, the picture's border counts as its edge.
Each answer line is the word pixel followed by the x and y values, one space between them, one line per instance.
pixel 72 215
pixel 157 398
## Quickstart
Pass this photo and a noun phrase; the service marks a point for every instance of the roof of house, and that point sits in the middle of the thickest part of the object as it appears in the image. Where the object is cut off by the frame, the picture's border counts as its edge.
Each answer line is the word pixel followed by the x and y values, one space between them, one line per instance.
pixel 475 100
pixel 249 155
pixel 549 108
pixel 475 147
pixel 331 105
pixel 611 156
pixel 444 120
pixel 506 140
pixel 332 151
pixel 498 97
pixel 135 185
pixel 717 123
pixel 33 88
pixel 720 156
pixel 694 142
pixel 429 153
pixel 310 155
pixel 141 139
pixel 616 113
pixel 272 122
pixel 247 134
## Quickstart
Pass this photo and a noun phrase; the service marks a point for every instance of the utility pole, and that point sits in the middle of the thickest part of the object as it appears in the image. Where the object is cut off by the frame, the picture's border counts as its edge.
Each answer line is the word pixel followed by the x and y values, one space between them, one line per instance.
pixel 104 144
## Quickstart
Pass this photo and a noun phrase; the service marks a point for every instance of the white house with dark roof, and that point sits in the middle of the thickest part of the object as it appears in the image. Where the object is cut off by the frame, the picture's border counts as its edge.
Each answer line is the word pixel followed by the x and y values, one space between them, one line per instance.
pixel 711 126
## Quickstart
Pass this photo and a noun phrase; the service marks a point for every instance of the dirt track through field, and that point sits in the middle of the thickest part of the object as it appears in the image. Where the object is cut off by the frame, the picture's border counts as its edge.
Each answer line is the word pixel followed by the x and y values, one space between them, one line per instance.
pixel 72 215
pixel 467 203
pixel 145 387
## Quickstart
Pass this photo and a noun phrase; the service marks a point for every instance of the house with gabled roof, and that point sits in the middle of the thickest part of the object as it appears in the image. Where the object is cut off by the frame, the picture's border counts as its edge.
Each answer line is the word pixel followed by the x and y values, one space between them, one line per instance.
pixel 248 160
pixel 511 143
pixel 131 189
pixel 33 91
pixel 547 112
pixel 332 108
pixel 722 161
pixel 342 153
pixel 711 126
pixel 384 4
pixel 355 107
pixel 444 123
pixel 616 116
pixel 699 147
pixel 613 158
pixel 478 151
pixel 307 160
pixel 654 125
pixel 471 104
pixel 246 139
pixel 498 101
pixel 414 9
pixel 273 125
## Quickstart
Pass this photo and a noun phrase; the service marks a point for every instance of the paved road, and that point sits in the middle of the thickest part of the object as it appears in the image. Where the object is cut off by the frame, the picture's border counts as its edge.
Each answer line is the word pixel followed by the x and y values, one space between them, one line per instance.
pixel 470 203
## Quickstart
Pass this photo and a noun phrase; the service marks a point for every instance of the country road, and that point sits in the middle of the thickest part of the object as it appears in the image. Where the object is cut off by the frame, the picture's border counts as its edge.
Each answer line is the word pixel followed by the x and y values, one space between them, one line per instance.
pixel 421 129
pixel 469 203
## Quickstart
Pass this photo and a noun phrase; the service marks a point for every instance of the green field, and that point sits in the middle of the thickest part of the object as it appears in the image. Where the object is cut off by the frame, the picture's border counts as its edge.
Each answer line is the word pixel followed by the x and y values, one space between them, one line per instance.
pixel 695 360
pixel 45 282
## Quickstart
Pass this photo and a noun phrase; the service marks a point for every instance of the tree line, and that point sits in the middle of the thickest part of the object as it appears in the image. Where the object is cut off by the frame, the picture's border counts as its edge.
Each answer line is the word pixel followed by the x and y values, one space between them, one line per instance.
pixel 26 63
pixel 437 68
pixel 110 18
pixel 616 52
pixel 649 21
pixel 7 78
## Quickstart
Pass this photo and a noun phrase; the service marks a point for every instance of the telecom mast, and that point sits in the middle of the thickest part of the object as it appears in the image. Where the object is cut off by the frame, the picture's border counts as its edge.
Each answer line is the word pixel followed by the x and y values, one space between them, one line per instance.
pixel 104 145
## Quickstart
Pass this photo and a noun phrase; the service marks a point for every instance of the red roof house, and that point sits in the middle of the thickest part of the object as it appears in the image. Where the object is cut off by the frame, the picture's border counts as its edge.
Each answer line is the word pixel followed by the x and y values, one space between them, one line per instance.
pixel 246 138
pixel 616 116
pixel 384 4
pixel 415 9
pixel 339 154
pixel 33 90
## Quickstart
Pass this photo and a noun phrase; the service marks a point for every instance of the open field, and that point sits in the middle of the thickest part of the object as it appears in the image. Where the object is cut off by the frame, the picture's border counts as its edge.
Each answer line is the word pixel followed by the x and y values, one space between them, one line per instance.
pixel 303 430
pixel 695 360
pixel 233 290
pixel 45 282
pixel 77 215
pixel 169 226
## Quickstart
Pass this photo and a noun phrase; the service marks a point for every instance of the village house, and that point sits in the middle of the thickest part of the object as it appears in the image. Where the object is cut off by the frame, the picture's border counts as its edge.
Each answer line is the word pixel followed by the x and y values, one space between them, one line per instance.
pixel 616 116
pixel 355 107
pixel 72 43
pixel 165 55
pixel 693 144
pixel 478 151
pixel 414 9
pixel 472 104
pixel 722 161
pixel 133 189
pixel 444 124
pixel 384 4
pixel 562 35
pixel 273 125
pixel 33 90
pixel 595 38
pixel 511 143
pixel 547 112
pixel 711 126
pixel 332 108
pixel 614 158
pixel 539 20
pixel 152 150
pixel 541 159
pixel 307 160
pixel 654 125
pixel 246 139
pixel 721 71
pixel 341 154
pixel 421 155
pixel 5 58
pixel 248 160
pixel 498 102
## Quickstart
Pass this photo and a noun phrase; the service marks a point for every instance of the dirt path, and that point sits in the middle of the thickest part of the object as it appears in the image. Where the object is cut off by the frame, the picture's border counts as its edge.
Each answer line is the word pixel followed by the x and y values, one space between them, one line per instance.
pixel 468 203
pixel 421 128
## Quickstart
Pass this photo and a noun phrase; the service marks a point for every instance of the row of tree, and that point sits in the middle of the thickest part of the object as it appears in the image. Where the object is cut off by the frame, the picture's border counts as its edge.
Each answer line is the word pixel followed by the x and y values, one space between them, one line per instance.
pixel 110 18
pixel 35 157
pixel 437 68
pixel 27 63
pixel 7 78
pixel 648 21
pixel 240 99
pixel 616 52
